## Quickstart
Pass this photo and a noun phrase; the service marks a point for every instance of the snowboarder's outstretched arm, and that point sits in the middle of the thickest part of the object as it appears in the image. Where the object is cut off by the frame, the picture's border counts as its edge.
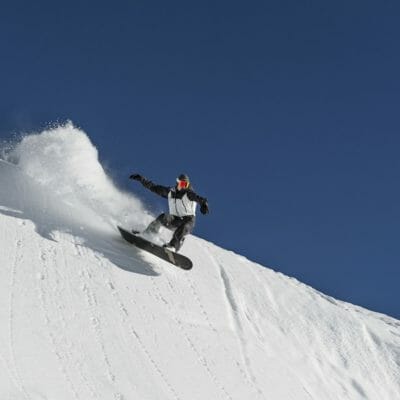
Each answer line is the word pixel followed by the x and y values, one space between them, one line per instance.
pixel 158 189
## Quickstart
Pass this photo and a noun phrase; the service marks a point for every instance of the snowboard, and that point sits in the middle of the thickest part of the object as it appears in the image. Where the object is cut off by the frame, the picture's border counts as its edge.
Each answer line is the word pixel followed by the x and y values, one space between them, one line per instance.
pixel 167 255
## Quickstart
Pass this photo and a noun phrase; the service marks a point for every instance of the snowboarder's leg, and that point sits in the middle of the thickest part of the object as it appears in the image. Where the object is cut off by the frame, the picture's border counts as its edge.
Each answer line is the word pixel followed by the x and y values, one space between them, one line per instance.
pixel 163 219
pixel 185 227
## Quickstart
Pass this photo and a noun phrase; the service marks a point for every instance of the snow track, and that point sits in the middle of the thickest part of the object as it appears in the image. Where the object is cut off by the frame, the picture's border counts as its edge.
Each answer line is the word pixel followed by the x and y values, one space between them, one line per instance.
pixel 12 346
pixel 202 361
pixel 49 297
pixel 232 310
pixel 86 316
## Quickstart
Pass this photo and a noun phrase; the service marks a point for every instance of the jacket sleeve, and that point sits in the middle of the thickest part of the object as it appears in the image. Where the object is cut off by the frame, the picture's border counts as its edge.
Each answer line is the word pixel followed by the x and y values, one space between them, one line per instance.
pixel 157 189
pixel 195 197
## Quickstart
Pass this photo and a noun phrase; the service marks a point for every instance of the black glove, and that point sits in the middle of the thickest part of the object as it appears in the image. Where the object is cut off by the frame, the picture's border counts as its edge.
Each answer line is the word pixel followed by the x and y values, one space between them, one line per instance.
pixel 136 177
pixel 204 208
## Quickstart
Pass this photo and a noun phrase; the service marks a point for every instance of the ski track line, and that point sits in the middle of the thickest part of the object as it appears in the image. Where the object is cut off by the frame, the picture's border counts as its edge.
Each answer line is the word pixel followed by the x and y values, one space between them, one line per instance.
pixel 17 261
pixel 263 341
pixel 134 334
pixel 266 289
pixel 123 311
pixel 212 327
pixel 233 310
pixel 13 371
pixel 258 332
pixel 124 315
pixel 91 387
pixel 201 359
pixel 154 364
pixel 9 372
pixel 95 315
pixel 45 301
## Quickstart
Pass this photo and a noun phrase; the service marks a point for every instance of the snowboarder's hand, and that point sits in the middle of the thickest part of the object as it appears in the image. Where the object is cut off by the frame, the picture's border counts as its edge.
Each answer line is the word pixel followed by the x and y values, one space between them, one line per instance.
pixel 136 177
pixel 204 208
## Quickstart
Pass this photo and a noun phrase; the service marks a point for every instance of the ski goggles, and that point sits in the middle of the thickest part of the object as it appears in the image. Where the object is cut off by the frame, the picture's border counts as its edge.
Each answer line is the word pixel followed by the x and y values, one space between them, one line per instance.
pixel 182 184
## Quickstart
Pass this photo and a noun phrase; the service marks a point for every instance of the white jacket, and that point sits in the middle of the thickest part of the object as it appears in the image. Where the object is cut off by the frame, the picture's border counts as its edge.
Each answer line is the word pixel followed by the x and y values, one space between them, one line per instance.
pixel 181 207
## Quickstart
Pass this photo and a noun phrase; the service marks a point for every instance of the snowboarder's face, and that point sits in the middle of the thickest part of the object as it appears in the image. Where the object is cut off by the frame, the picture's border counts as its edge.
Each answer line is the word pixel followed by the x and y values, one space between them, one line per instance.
pixel 181 184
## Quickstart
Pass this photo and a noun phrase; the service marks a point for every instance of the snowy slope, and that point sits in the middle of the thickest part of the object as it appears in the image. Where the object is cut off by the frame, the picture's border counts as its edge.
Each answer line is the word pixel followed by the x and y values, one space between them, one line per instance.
pixel 84 315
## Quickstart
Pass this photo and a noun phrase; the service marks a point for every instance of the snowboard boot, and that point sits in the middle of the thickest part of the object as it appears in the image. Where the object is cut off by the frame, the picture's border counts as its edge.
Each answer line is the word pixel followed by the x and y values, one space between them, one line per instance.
pixel 175 244
pixel 169 247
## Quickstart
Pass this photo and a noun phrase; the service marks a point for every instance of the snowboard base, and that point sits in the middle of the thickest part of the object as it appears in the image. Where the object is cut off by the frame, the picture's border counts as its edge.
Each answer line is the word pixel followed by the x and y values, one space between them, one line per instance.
pixel 177 259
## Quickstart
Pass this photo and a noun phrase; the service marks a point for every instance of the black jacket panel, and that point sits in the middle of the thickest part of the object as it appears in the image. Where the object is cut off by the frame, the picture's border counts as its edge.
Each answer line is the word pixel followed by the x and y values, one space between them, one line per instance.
pixel 194 196
pixel 158 189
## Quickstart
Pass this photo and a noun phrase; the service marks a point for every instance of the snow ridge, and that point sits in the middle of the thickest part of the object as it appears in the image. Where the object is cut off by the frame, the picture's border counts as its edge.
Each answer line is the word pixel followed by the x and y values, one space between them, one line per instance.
pixel 87 316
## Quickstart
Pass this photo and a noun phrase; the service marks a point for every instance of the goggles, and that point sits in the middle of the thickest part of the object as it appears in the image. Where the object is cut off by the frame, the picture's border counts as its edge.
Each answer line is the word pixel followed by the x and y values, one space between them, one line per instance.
pixel 182 184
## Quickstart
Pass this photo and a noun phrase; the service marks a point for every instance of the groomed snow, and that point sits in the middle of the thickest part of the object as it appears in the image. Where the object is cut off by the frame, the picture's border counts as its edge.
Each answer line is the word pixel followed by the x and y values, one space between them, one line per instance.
pixel 84 315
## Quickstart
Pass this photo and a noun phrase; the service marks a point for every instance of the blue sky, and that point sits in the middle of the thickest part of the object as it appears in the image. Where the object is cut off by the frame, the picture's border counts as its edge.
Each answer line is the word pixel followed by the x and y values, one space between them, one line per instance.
pixel 285 114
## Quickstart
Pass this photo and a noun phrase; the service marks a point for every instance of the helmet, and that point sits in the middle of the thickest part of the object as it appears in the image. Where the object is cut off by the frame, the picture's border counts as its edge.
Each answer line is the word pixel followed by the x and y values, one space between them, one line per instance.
pixel 183 177
pixel 182 182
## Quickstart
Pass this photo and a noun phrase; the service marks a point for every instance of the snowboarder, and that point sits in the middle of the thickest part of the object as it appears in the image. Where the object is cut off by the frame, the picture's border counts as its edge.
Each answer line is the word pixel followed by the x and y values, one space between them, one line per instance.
pixel 182 201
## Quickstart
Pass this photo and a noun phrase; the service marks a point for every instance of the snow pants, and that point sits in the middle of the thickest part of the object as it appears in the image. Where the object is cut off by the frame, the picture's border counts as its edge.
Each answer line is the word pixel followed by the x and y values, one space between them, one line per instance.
pixel 182 226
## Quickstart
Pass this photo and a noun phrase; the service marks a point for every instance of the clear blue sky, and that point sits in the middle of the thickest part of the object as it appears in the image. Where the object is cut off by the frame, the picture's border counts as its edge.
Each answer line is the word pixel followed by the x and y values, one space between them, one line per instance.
pixel 284 113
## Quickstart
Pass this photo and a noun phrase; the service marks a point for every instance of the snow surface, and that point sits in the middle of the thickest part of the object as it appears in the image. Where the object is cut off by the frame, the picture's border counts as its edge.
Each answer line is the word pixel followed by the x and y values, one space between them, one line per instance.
pixel 84 315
